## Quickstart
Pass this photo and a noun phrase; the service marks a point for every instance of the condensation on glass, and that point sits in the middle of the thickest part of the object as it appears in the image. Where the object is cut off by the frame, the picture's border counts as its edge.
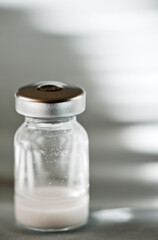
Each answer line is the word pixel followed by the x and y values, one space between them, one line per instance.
pixel 51 158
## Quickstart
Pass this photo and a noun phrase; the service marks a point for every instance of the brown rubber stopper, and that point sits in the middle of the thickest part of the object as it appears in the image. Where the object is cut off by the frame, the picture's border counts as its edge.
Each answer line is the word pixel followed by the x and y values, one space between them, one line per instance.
pixel 49 93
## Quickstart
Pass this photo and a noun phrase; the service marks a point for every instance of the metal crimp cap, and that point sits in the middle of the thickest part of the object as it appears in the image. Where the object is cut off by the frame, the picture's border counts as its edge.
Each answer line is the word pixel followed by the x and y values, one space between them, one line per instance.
pixel 50 99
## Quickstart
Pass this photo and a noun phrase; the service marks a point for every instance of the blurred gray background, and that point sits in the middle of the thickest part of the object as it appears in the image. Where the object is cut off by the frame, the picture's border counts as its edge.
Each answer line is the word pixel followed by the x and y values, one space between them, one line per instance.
pixel 108 47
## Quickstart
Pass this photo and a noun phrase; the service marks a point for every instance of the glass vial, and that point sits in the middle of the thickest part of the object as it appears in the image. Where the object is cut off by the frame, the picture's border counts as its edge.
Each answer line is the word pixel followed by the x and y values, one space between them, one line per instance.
pixel 51 158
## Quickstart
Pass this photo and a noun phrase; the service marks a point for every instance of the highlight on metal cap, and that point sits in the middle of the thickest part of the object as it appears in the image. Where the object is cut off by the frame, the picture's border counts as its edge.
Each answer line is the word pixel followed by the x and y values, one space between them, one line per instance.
pixel 50 99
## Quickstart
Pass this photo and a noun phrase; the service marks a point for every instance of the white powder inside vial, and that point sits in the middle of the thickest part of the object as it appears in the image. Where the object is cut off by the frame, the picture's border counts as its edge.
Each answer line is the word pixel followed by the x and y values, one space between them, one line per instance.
pixel 62 208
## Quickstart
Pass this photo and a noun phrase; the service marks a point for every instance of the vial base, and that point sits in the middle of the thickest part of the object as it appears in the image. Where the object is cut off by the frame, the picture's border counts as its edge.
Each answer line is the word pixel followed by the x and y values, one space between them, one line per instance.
pixel 64 229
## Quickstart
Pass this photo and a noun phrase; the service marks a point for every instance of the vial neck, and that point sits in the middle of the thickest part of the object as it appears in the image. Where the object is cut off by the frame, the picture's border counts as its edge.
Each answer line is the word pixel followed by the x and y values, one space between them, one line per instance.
pixel 30 120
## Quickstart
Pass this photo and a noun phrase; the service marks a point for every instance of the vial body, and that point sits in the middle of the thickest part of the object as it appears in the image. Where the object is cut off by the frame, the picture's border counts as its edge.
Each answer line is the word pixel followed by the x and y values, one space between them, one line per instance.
pixel 51 174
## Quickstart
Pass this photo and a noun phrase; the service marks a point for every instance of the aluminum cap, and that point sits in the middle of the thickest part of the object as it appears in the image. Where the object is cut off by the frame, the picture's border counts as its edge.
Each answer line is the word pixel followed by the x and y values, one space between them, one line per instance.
pixel 50 99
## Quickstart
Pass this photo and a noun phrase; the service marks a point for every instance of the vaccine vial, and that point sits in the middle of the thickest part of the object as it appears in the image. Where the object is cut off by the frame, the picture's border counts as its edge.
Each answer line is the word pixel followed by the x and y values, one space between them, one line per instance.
pixel 51 158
